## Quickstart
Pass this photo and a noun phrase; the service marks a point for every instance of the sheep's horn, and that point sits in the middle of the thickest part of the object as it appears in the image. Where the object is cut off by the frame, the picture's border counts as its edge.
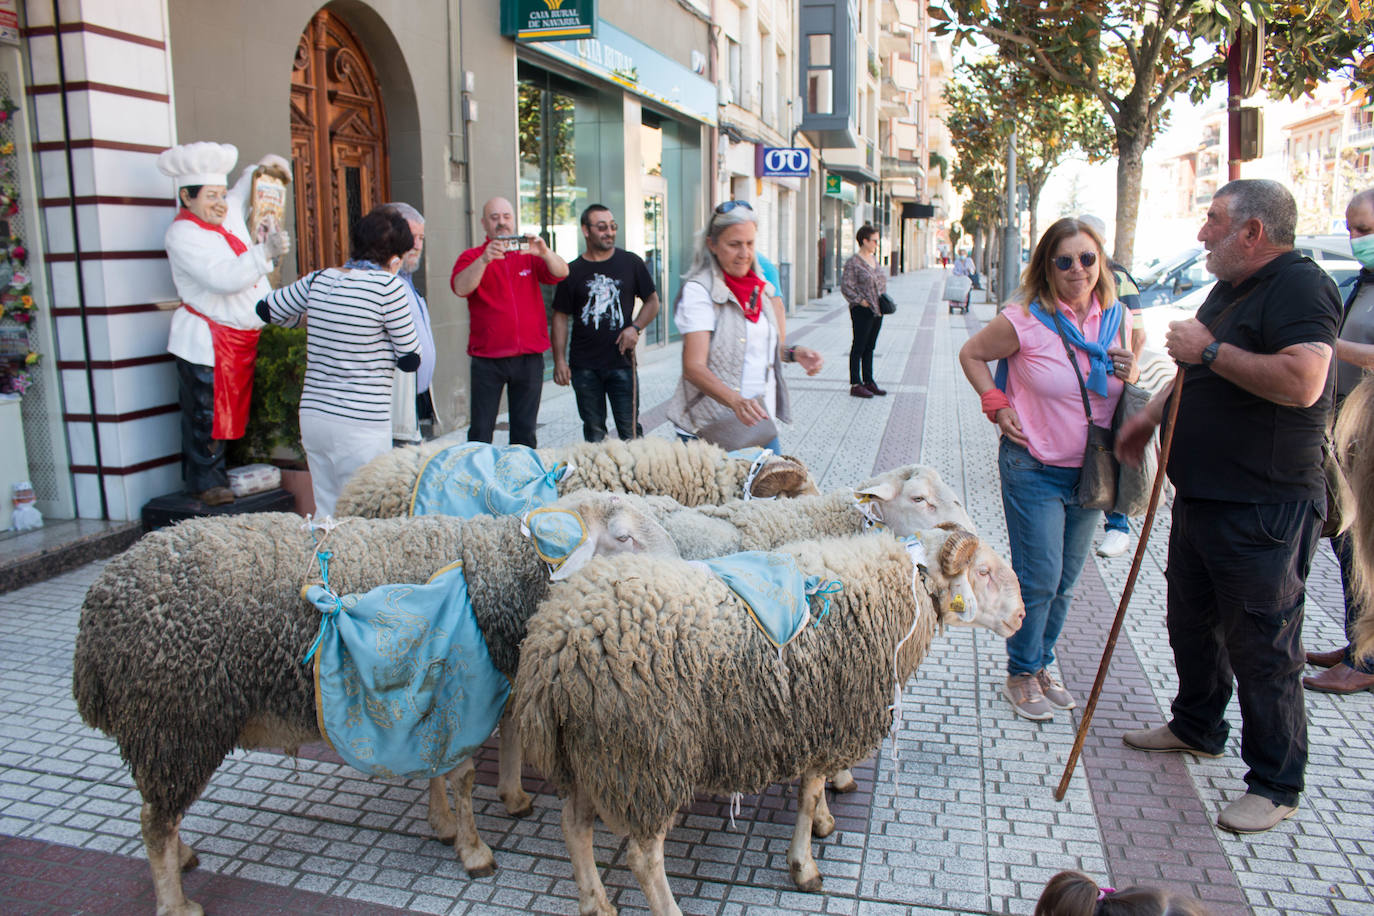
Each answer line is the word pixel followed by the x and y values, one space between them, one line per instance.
pixel 958 551
pixel 782 476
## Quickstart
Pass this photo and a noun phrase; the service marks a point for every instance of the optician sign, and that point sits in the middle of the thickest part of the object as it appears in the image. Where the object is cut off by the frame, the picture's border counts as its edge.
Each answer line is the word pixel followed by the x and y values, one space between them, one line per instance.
pixel 781 162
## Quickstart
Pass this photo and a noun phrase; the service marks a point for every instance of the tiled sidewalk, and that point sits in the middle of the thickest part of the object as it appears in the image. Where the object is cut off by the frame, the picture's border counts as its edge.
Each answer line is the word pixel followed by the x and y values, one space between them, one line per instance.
pixel 955 816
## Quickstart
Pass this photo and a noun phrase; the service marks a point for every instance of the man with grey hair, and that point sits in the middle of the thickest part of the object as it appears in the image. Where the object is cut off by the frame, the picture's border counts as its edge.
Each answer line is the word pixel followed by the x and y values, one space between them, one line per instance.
pixel 1247 467
pixel 410 400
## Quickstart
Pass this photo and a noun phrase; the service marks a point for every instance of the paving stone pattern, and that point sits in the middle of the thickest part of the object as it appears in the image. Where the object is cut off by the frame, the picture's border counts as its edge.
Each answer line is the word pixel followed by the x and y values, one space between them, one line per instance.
pixel 955 812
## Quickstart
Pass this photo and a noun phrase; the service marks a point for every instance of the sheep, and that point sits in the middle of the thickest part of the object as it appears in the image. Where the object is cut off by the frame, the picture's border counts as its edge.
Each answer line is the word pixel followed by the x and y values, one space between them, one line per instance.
pixel 693 473
pixel 642 681
pixel 190 642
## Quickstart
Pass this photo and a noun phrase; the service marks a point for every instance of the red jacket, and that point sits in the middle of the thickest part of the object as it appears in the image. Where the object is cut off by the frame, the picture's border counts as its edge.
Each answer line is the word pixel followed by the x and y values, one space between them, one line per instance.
pixel 506 310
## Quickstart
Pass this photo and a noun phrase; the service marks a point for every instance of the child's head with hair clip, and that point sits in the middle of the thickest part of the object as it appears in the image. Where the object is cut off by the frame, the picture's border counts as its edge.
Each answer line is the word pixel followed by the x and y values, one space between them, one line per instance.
pixel 1072 893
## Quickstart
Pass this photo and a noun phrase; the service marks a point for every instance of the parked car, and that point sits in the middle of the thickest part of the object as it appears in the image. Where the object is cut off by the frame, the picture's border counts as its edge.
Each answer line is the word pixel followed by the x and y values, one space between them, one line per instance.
pixel 1168 280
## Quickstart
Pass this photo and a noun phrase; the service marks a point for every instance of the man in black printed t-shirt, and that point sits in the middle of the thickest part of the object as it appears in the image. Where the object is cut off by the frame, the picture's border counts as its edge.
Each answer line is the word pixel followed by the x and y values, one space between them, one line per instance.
pixel 598 300
pixel 1247 467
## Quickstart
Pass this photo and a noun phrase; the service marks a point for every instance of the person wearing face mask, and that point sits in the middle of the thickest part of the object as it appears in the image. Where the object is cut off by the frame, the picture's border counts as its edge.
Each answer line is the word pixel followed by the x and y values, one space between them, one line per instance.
pixel 359 330
pixel 732 343
pixel 219 278
pixel 1355 356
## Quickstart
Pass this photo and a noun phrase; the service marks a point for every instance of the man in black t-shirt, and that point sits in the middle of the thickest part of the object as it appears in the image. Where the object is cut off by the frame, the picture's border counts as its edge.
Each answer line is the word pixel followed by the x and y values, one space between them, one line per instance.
pixel 598 300
pixel 1246 464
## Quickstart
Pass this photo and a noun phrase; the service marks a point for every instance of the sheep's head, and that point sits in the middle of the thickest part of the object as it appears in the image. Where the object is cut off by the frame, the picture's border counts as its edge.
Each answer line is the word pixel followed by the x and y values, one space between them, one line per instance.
pixel 591 523
pixel 974 586
pixel 912 499
pixel 784 476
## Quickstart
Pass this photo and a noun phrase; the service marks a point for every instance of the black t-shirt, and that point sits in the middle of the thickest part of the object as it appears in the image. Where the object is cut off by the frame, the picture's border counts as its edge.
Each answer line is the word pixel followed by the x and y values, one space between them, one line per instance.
pixel 600 297
pixel 1236 446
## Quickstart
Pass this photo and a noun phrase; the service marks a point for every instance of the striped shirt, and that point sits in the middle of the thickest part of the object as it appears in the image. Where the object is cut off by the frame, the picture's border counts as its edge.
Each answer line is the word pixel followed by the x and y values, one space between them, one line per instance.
pixel 359 324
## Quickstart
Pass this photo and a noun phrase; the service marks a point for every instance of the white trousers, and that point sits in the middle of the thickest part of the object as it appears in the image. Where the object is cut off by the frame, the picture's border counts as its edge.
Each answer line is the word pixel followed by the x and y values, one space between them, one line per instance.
pixel 335 449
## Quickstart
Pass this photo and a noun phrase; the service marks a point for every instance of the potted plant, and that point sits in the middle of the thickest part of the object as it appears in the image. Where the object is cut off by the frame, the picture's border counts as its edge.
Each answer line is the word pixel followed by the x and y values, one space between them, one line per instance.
pixel 273 431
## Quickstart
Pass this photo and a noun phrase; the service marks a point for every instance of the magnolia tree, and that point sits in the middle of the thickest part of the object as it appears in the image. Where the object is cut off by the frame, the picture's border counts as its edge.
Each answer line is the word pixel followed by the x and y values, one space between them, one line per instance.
pixel 1135 56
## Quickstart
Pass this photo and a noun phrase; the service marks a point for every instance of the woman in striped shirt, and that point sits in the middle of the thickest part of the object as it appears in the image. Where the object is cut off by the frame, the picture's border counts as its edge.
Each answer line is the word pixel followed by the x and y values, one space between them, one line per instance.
pixel 359 329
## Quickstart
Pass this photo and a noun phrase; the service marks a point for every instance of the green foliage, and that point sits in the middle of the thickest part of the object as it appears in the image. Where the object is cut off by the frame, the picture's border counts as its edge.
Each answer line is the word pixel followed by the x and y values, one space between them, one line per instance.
pixel 273 420
pixel 940 162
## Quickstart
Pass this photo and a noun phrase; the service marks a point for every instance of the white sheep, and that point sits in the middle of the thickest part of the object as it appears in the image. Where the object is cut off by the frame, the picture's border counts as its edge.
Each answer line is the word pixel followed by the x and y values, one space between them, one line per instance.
pixel 693 473
pixel 190 642
pixel 643 681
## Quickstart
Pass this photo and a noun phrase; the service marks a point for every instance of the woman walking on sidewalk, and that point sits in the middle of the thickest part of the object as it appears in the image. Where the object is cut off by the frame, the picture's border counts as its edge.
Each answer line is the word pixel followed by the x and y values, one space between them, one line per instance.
pixel 1065 298
pixel 862 282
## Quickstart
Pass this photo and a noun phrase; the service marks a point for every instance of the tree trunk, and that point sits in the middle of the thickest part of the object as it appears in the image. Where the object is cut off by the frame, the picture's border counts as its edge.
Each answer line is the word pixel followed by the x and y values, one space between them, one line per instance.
pixel 1033 198
pixel 1132 137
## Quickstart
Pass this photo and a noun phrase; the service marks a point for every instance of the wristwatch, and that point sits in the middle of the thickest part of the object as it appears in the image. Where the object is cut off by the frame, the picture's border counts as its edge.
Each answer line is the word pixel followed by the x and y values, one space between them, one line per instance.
pixel 1209 352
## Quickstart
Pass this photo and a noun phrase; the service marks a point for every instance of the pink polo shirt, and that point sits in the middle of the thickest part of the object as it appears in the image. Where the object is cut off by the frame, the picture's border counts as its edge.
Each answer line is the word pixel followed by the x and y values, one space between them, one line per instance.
pixel 1044 391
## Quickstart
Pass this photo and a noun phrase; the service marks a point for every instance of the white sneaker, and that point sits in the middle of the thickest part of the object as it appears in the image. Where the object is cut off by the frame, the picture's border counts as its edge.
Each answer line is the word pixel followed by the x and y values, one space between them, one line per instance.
pixel 1114 544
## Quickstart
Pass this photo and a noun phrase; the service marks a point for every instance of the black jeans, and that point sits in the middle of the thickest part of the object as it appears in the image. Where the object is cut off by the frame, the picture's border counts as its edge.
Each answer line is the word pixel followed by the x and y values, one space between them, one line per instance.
pixel 202 455
pixel 866 328
pixel 524 375
pixel 593 387
pixel 1237 582
pixel 1342 545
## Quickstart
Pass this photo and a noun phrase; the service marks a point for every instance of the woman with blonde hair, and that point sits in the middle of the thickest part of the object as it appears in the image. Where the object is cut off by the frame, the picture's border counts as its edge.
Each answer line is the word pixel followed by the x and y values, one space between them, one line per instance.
pixel 1065 308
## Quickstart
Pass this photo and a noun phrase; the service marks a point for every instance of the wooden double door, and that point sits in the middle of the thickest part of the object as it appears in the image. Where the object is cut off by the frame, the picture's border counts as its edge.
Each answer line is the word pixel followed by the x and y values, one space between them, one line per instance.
pixel 338 141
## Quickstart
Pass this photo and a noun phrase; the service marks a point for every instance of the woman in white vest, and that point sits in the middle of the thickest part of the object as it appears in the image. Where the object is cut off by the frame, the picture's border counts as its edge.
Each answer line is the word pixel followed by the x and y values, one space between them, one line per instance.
pixel 733 335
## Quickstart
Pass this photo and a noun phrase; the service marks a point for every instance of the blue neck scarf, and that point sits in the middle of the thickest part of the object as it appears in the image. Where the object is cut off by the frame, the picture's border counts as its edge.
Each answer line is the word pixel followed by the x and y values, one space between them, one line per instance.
pixel 1099 363
pixel 361 264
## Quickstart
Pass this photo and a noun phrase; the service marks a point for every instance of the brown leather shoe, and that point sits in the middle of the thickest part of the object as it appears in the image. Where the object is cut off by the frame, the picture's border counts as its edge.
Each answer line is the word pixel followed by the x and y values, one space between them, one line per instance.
pixel 216 496
pixel 859 391
pixel 1326 659
pixel 873 387
pixel 1339 679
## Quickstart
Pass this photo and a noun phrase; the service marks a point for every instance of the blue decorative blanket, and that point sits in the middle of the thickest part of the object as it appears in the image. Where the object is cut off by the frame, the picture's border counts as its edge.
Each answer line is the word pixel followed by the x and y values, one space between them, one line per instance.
pixel 772 587
pixel 404 685
pixel 476 478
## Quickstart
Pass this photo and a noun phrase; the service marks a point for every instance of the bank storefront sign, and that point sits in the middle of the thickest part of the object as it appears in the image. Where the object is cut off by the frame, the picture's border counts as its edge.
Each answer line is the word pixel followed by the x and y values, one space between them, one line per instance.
pixel 781 162
pixel 548 20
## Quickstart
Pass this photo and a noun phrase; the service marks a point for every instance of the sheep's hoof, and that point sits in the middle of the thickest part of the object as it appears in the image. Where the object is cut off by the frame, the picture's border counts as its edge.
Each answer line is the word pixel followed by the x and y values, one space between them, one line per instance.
pixel 447 840
pixel 810 885
pixel 185 908
pixel 519 806
pixel 822 827
pixel 190 863
pixel 482 871
pixel 599 908
pixel 478 862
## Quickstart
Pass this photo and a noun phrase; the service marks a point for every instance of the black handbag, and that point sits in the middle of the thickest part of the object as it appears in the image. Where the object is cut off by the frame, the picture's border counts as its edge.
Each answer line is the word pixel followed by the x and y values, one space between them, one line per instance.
pixel 1097 480
pixel 886 305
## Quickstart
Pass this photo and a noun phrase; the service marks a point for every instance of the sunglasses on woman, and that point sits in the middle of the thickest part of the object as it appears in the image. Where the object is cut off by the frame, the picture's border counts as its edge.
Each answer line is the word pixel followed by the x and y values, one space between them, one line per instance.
pixel 729 205
pixel 1065 261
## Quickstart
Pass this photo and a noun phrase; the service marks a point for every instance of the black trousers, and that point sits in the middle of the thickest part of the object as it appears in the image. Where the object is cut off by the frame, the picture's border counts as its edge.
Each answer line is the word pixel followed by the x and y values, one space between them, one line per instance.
pixel 523 376
pixel 866 328
pixel 202 455
pixel 1237 584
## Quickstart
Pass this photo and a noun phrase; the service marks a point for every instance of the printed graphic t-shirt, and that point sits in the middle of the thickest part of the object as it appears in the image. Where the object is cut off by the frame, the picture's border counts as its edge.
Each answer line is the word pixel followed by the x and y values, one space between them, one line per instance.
pixel 600 296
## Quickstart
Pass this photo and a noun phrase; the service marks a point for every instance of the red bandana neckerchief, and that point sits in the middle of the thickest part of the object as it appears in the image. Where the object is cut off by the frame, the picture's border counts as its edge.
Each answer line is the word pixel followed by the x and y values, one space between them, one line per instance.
pixel 744 289
pixel 234 241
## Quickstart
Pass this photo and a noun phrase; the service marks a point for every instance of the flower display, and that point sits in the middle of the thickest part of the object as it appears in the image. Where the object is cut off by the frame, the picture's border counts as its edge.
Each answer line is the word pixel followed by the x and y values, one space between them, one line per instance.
pixel 18 308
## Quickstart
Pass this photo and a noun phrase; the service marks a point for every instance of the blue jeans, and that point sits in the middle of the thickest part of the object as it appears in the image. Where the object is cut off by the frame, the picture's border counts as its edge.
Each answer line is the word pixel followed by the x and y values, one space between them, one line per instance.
pixel 1050 537
pixel 593 387
pixel 775 443
pixel 1115 521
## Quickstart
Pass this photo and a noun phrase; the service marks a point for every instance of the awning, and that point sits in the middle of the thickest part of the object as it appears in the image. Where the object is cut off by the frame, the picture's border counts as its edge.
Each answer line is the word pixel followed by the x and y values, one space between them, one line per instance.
pixel 858 174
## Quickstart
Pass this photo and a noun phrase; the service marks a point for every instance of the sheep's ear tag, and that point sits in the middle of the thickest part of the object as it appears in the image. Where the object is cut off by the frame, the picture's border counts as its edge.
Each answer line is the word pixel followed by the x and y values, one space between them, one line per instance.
pixel 560 539
pixel 870 506
pixel 961 600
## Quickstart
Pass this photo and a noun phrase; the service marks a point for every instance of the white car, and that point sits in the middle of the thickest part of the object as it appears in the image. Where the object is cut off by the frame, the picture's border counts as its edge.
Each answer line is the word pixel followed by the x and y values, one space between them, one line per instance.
pixel 1155 366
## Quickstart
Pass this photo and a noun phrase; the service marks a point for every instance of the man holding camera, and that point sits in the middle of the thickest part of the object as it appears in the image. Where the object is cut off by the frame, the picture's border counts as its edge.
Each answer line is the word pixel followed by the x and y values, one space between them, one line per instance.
pixel 508 332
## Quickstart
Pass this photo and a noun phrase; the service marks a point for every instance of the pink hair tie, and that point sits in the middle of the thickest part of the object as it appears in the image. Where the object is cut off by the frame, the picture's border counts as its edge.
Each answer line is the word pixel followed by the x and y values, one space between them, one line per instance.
pixel 1102 892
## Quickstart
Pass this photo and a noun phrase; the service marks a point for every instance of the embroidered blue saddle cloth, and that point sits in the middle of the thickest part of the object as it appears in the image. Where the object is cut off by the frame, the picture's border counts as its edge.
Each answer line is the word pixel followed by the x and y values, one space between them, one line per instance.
pixel 476 478
pixel 772 587
pixel 404 685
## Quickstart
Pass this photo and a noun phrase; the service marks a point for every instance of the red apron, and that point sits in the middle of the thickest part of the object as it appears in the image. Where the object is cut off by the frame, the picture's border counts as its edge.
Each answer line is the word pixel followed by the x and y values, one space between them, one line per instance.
pixel 236 350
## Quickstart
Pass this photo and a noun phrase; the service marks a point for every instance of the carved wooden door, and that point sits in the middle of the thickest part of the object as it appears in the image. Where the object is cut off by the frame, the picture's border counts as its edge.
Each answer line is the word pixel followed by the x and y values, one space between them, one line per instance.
pixel 338 141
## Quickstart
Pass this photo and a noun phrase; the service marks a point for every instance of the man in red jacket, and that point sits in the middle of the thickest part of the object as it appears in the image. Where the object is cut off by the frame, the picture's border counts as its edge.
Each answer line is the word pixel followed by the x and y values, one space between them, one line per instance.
pixel 508 331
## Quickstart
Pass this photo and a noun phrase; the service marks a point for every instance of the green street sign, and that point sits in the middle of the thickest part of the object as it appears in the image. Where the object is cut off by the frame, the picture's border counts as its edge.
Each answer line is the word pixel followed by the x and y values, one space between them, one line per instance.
pixel 548 20
pixel 832 185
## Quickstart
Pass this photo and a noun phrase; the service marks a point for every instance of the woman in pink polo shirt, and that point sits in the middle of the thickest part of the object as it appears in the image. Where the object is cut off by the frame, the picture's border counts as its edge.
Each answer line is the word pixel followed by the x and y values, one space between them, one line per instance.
pixel 1066 303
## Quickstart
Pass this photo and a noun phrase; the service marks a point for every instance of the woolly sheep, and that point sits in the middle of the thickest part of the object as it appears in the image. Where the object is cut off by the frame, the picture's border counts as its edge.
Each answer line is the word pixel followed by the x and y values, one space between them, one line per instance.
pixel 190 642
pixel 642 681
pixel 693 473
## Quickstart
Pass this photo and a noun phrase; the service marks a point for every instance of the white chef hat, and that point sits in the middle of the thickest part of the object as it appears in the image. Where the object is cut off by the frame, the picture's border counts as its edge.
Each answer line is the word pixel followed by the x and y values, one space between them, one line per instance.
pixel 198 163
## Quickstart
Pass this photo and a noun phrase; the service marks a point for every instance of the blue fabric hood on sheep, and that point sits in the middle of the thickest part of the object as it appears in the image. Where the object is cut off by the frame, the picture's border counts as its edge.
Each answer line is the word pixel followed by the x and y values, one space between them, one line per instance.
pixel 476 478
pixel 404 685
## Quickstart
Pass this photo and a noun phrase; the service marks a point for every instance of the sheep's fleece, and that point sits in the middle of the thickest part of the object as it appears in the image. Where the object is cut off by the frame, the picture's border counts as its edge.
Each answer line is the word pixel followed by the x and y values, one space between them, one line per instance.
pixel 693 473
pixel 643 679
pixel 190 642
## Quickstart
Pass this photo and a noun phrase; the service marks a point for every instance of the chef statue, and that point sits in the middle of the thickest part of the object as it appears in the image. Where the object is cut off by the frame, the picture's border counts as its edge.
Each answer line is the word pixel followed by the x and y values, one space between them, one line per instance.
pixel 219 277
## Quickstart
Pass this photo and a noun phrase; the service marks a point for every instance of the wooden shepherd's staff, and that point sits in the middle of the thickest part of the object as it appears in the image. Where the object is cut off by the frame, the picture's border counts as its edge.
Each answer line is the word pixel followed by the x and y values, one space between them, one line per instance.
pixel 1126 592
